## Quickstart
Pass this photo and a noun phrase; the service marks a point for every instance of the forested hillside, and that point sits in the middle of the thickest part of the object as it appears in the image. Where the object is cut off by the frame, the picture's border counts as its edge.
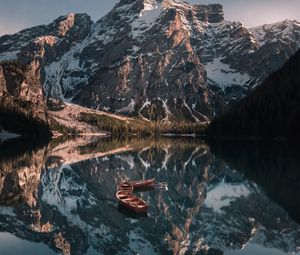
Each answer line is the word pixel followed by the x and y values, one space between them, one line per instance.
pixel 271 110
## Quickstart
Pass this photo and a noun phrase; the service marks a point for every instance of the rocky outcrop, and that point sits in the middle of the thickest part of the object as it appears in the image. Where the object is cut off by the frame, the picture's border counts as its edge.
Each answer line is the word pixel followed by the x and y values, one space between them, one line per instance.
pixel 157 80
pixel 22 89
pixel 212 13
pixel 62 34
pixel 2 82
pixel 22 104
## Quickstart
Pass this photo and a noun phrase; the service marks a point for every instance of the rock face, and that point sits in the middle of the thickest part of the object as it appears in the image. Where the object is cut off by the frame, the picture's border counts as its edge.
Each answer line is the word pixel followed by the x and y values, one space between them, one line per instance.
pixel 22 104
pixel 156 59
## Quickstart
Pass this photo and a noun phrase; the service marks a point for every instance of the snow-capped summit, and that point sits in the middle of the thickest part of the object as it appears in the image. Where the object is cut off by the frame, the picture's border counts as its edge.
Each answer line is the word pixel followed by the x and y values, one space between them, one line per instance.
pixel 279 31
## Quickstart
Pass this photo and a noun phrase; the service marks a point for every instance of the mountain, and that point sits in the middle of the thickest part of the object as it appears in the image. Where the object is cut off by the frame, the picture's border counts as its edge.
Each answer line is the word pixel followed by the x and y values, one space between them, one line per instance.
pixel 271 110
pixel 22 104
pixel 155 59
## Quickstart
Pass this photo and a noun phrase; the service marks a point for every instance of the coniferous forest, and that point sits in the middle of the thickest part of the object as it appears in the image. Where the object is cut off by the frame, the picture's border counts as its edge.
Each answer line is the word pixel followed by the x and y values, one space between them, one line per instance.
pixel 271 110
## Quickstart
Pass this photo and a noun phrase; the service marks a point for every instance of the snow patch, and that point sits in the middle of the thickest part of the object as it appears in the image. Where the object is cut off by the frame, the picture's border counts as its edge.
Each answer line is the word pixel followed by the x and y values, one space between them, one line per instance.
pixel 147 18
pixel 8 56
pixel 58 80
pixel 9 211
pixel 167 111
pixel 223 75
pixel 283 30
pixel 257 249
pixel 189 109
pixel 146 103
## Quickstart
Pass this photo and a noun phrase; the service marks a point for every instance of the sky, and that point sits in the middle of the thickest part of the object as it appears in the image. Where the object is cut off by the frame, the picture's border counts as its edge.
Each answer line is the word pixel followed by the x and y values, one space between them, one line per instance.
pixel 19 14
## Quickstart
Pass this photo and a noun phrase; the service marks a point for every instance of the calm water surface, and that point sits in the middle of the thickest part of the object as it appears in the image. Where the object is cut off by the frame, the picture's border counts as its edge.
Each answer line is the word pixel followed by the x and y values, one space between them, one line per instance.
pixel 223 198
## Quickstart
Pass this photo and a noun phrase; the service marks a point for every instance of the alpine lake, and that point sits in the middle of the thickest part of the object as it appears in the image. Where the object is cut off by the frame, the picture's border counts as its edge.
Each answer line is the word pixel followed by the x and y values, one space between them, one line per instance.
pixel 220 197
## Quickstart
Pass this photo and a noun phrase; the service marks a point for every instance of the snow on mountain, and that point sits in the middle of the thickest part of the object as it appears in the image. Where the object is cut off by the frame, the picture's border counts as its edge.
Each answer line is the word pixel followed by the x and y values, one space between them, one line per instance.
pixel 221 74
pixel 147 18
pixel 279 31
pixel 156 59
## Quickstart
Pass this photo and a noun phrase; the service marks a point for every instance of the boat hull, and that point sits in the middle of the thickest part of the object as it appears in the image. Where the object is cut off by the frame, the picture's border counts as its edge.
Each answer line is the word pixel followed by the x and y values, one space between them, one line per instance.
pixel 127 199
pixel 132 202
pixel 144 184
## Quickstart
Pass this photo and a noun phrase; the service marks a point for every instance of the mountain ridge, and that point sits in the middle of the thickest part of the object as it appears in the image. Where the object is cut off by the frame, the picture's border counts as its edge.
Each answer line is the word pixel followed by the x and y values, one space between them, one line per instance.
pixel 156 60
pixel 270 111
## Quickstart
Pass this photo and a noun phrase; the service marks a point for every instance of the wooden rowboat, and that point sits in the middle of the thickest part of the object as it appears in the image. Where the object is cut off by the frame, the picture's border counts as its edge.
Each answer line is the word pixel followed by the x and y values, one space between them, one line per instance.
pixel 132 202
pixel 142 184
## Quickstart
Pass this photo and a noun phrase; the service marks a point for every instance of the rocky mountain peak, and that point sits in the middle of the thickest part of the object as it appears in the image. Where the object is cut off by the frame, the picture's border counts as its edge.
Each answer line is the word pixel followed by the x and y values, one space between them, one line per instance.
pixel 207 13
pixel 71 24
pixel 212 13
pixel 156 59
pixel 65 23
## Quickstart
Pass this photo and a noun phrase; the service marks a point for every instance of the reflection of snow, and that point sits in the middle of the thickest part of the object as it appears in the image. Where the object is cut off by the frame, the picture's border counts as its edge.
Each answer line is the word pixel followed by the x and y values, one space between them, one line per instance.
pixel 6 135
pixel 11 244
pixel 128 159
pixel 61 189
pixel 221 195
pixel 256 249
pixel 139 244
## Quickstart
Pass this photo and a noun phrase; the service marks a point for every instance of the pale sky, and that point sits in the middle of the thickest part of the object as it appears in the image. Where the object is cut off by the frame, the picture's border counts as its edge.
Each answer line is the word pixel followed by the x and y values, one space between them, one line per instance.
pixel 19 14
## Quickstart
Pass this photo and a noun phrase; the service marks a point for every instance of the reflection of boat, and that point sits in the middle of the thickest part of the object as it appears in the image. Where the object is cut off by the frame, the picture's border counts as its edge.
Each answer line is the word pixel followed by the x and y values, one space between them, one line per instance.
pixel 132 202
pixel 142 184
pixel 130 213
pixel 126 187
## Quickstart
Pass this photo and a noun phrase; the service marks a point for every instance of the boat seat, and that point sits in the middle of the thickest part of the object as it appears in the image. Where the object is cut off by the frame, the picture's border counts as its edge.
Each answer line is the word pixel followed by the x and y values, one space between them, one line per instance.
pixel 128 199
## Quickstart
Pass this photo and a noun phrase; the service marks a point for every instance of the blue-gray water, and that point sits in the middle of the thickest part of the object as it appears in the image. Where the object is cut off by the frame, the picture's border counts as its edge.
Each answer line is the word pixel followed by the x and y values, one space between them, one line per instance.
pixel 222 198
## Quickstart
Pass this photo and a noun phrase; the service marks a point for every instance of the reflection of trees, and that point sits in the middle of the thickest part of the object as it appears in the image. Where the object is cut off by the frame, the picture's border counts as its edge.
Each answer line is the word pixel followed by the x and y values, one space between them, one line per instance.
pixel 178 163
pixel 71 207
pixel 274 166
pixel 20 167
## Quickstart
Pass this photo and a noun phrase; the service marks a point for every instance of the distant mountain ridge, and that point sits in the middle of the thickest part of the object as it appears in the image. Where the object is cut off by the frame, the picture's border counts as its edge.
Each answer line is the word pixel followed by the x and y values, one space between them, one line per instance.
pixel 272 110
pixel 155 59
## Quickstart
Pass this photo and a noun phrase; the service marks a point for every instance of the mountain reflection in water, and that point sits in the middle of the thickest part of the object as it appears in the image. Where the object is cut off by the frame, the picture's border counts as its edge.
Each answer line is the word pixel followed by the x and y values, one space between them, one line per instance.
pixel 226 198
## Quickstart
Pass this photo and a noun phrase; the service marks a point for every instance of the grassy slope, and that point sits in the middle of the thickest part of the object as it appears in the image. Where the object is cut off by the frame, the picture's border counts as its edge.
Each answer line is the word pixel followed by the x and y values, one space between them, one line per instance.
pixel 78 119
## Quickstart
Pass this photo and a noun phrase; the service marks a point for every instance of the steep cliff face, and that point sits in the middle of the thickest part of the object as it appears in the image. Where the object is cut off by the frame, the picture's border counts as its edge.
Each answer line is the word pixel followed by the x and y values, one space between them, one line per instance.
pixel 156 59
pixel 153 71
pixel 22 93
pixel 46 44
pixel 22 104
